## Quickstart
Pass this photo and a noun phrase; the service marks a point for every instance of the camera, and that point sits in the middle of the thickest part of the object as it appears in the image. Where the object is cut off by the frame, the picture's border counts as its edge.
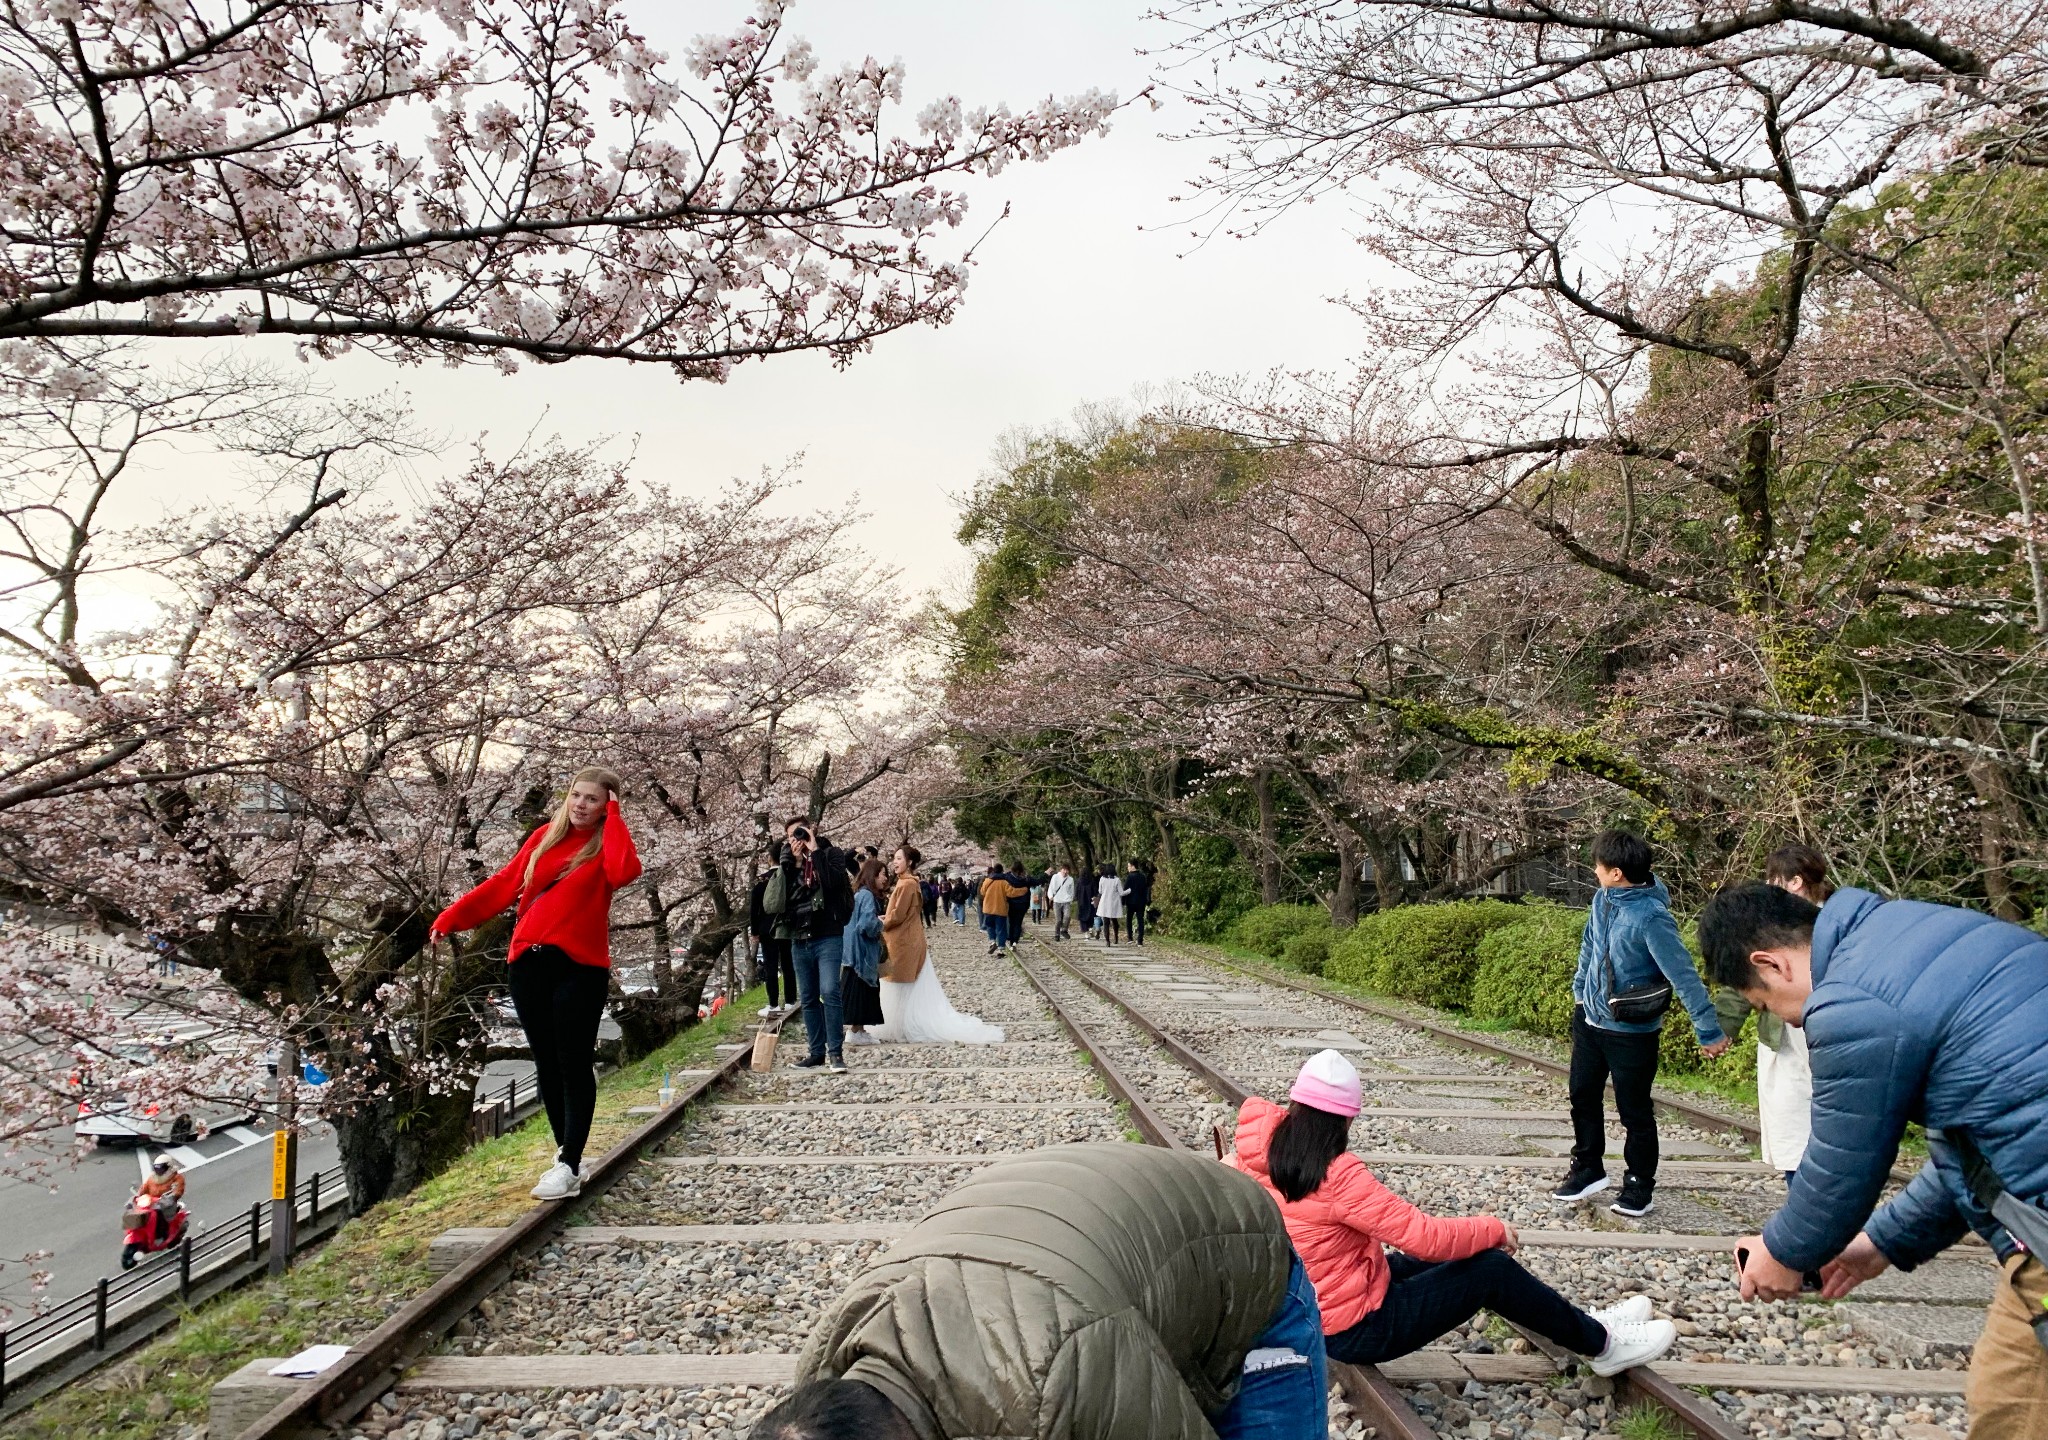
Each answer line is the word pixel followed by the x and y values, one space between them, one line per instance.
pixel 800 833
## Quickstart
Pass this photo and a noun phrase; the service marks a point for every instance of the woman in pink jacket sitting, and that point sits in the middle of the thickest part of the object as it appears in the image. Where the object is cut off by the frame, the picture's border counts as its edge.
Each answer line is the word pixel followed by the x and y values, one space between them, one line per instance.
pixel 1449 1268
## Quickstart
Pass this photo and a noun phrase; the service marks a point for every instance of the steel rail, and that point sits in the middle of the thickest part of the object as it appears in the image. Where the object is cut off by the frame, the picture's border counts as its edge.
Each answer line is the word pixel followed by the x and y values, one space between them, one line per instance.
pixel 1365 1388
pixel 1677 1109
pixel 373 1363
pixel 1155 1129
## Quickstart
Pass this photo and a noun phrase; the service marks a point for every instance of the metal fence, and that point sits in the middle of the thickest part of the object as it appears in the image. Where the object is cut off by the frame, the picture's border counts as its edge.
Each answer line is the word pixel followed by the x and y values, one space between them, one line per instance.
pixel 82 1323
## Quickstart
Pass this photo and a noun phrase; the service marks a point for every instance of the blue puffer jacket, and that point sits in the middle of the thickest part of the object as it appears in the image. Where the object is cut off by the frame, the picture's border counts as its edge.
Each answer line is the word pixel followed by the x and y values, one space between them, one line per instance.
pixel 1633 922
pixel 861 940
pixel 1927 1013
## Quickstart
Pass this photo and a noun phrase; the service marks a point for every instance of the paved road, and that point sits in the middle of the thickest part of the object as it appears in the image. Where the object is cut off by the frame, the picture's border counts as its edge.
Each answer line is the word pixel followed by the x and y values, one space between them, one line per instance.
pixel 80 1222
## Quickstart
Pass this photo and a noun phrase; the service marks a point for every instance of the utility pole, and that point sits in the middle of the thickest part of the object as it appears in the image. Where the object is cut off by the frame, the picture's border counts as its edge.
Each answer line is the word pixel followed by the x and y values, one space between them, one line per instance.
pixel 284 1159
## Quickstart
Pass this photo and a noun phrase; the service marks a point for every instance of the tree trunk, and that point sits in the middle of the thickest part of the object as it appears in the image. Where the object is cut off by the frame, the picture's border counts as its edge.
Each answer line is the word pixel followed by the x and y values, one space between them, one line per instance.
pixel 1269 838
pixel 1996 813
pixel 1344 903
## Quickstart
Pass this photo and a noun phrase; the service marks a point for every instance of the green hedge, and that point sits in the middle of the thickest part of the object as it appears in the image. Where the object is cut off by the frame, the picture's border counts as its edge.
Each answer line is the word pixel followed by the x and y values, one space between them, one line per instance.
pixel 1421 952
pixel 1205 889
pixel 1266 930
pixel 1524 971
pixel 1309 952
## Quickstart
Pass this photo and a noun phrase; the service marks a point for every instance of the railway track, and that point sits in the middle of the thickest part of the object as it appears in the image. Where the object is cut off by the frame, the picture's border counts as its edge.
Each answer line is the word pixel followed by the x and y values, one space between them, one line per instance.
pixel 1479 1127
pixel 669 1299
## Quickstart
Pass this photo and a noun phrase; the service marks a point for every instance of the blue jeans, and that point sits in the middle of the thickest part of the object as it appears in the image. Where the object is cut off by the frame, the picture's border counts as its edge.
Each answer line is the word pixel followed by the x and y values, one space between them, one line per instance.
pixel 1284 1393
pixel 817 990
pixel 997 928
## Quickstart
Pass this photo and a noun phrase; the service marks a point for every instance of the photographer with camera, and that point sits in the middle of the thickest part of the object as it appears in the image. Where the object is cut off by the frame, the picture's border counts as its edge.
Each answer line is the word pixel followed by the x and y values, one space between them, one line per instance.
pixel 810 898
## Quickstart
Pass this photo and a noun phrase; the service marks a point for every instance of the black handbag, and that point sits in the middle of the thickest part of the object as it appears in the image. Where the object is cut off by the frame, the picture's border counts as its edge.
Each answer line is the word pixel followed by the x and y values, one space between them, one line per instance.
pixel 1640 1005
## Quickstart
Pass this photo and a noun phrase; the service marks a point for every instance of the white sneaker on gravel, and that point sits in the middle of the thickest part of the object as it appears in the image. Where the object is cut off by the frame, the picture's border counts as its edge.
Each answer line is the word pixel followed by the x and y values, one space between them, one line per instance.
pixel 861 1037
pixel 559 1183
pixel 1632 1311
pixel 1635 1343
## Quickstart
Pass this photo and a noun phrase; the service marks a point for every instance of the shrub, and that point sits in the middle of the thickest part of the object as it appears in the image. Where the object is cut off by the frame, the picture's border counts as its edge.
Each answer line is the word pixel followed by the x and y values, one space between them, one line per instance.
pixel 1524 972
pixel 1207 886
pixel 1266 930
pixel 1309 951
pixel 1421 952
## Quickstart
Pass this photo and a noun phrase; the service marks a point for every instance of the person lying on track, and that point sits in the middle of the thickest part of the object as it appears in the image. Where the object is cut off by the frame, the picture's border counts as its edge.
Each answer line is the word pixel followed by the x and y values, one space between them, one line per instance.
pixel 1377 1307
pixel 1080 1292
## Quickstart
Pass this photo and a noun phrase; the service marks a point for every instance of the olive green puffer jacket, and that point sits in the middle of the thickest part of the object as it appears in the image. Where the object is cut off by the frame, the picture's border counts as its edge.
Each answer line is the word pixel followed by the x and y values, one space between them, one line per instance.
pixel 1097 1292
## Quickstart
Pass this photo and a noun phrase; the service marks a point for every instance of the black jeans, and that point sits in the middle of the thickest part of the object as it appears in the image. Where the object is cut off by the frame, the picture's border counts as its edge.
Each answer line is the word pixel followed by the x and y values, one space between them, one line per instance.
pixel 1428 1299
pixel 559 1004
pixel 776 962
pixel 1016 931
pixel 1632 1060
pixel 1136 923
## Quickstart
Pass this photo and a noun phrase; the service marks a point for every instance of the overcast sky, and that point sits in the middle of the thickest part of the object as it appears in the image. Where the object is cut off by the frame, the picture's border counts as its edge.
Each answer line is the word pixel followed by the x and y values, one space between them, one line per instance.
pixel 1071 300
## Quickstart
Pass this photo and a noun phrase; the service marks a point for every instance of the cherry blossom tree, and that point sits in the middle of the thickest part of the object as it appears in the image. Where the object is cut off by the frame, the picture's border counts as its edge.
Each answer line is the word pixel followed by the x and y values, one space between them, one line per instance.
pixel 501 178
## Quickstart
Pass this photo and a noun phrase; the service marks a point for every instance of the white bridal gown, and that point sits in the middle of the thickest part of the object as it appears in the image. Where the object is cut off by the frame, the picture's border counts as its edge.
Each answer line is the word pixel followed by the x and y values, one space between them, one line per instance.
pixel 920 1014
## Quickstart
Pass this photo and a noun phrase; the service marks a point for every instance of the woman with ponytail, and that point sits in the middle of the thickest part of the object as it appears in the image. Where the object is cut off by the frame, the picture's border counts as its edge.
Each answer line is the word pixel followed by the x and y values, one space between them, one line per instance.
pixel 561 883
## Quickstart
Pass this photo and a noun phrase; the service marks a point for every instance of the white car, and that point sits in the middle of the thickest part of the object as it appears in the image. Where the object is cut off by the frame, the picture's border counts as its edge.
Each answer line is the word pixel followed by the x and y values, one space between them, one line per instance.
pixel 108 1116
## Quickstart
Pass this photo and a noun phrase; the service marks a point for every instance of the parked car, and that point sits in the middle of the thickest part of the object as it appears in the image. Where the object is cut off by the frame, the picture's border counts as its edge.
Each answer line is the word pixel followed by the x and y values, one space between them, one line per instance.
pixel 108 1116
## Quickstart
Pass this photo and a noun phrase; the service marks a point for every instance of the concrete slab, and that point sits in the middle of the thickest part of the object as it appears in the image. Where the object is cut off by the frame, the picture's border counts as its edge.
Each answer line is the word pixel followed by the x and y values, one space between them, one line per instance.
pixel 694 1162
pixel 247 1396
pixel 451 1247
pixel 1918 1331
pixel 1327 1040
pixel 489 1373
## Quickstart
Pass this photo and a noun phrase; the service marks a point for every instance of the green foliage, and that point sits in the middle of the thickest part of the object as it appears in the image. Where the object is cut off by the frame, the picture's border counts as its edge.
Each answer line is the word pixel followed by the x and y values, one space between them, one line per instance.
pixel 1309 951
pixel 1267 929
pixel 1648 1422
pixel 1420 952
pixel 1523 972
pixel 1204 891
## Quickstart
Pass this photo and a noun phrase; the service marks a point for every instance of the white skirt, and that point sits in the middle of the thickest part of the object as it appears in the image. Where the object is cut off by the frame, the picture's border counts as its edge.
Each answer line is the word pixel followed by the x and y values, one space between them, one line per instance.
pixel 920 1014
pixel 1784 1099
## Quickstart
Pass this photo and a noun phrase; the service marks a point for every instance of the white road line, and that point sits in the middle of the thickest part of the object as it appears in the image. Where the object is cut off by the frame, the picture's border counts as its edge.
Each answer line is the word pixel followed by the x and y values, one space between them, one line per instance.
pixel 188 1158
pixel 142 1158
pixel 242 1135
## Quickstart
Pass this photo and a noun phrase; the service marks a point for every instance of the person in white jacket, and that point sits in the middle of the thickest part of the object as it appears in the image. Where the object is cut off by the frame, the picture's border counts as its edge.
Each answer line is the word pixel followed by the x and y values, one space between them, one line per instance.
pixel 1059 892
pixel 1109 904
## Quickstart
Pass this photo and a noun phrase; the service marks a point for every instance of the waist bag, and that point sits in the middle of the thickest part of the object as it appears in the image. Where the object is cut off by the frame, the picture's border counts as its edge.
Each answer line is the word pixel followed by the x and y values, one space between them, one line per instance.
pixel 1640 1004
pixel 2024 1221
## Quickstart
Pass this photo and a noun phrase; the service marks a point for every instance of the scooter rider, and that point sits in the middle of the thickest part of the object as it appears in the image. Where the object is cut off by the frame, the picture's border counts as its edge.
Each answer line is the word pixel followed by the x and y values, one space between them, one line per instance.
pixel 164 1189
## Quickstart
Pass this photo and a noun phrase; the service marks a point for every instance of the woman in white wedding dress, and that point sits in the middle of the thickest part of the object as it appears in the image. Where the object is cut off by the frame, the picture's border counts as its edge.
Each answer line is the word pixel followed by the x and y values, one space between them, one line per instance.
pixel 915 1009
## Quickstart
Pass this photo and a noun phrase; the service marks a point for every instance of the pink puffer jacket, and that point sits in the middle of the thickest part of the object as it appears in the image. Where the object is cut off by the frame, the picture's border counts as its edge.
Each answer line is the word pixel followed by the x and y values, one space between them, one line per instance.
pixel 1339 1230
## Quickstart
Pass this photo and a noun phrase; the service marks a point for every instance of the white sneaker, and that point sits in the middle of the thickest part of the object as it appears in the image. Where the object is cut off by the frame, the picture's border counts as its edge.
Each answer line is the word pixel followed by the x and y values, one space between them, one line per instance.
pixel 861 1037
pixel 1636 1343
pixel 770 1011
pixel 1632 1311
pixel 559 1183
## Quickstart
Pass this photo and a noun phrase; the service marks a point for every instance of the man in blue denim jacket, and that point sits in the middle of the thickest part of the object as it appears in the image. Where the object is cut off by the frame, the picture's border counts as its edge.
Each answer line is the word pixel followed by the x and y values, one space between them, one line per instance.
pixel 1630 926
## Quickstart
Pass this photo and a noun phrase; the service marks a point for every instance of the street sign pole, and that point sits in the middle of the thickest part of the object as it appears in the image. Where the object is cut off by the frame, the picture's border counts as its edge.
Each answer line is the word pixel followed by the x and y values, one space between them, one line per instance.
pixel 284 1160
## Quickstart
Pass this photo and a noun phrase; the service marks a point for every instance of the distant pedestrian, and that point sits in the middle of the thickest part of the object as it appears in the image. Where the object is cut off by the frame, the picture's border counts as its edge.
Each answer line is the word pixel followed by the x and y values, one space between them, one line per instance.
pixel 777 970
pixel 1059 892
pixel 928 889
pixel 1784 1075
pixel 1037 900
pixel 1109 903
pixel 1137 897
pixel 560 884
pixel 995 908
pixel 1020 902
pixel 1632 961
pixel 860 975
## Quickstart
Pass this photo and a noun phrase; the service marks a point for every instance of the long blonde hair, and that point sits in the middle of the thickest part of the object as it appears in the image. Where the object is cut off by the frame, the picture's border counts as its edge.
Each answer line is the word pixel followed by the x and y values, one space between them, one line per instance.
pixel 559 826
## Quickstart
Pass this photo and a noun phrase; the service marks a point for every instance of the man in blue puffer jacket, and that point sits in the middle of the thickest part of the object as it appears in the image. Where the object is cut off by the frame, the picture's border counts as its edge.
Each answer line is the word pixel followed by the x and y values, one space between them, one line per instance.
pixel 1630 941
pixel 1917 1012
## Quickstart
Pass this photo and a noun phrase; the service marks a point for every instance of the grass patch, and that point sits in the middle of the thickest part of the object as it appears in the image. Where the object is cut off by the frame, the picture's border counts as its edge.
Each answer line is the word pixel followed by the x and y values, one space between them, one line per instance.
pixel 1647 1422
pixel 371 1266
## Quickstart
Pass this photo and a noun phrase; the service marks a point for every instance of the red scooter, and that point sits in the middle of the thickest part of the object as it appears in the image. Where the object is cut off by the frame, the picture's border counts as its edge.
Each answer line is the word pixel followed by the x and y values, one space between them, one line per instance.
pixel 145 1232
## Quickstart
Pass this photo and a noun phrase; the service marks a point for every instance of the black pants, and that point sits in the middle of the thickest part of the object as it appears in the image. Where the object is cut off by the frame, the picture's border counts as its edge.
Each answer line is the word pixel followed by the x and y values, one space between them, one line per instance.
pixel 559 1004
pixel 1632 1060
pixel 1136 923
pixel 1428 1299
pixel 775 962
pixel 1016 927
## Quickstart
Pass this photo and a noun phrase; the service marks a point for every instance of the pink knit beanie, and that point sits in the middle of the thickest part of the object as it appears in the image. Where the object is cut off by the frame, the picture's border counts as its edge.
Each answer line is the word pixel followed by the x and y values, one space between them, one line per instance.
pixel 1327 1082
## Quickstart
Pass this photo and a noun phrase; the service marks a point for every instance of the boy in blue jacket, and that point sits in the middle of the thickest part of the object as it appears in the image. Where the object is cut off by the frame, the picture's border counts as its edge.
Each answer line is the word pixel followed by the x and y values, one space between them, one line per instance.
pixel 1631 942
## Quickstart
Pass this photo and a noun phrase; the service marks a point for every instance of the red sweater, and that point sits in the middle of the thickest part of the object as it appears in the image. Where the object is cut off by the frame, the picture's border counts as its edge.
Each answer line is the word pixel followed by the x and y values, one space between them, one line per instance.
pixel 575 913
pixel 1339 1229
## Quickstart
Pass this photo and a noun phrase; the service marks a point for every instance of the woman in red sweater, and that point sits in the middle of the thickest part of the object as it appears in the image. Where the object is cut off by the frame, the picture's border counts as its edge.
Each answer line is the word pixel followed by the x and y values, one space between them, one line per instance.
pixel 1374 1306
pixel 562 881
